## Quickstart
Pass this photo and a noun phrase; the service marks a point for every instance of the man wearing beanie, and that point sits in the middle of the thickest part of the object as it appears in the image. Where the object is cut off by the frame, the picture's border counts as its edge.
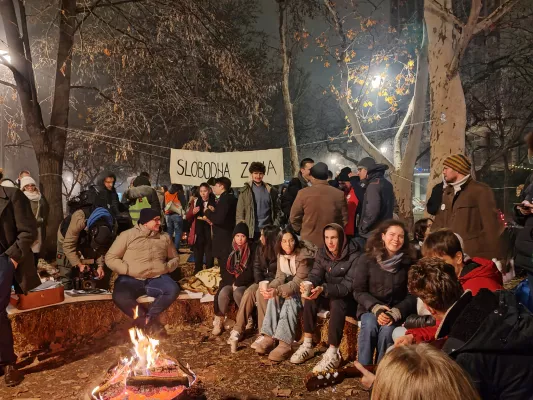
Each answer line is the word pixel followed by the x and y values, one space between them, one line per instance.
pixel 468 208
pixel 317 206
pixel 378 202
pixel 144 258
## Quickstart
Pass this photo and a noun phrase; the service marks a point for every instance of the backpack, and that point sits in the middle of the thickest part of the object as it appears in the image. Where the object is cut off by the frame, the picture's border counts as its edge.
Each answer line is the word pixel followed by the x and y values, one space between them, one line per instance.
pixel 85 201
pixel 135 208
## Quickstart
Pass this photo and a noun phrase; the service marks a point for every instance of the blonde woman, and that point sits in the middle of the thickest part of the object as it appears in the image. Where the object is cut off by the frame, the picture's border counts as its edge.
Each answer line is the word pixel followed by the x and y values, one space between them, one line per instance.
pixel 419 372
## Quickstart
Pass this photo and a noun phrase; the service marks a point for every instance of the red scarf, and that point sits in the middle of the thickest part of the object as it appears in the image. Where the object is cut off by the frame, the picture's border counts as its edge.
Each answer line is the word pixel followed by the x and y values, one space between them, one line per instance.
pixel 238 259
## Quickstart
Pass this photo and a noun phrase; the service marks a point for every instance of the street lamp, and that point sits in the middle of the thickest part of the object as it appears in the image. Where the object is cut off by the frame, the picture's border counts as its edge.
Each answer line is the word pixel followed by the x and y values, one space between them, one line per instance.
pixel 333 161
pixel 376 81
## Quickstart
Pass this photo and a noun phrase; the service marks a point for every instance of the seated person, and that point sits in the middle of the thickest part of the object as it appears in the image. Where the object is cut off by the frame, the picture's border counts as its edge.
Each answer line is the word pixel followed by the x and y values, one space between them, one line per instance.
pixel 88 235
pixel 237 275
pixel 332 289
pixel 144 257
pixel 490 334
pixel 473 273
pixel 295 260
pixel 418 372
pixel 420 233
pixel 265 267
pixel 380 289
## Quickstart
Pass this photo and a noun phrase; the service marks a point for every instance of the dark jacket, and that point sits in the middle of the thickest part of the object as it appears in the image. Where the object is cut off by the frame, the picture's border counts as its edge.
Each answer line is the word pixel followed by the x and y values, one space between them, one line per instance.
pixel 435 200
pixel 295 185
pixel 18 231
pixel 264 269
pixel 378 202
pixel 472 214
pixel 491 337
pixel 200 229
pixel 246 278
pixel 375 286
pixel 523 244
pixel 223 219
pixel 333 274
pixel 314 208
pixel 107 198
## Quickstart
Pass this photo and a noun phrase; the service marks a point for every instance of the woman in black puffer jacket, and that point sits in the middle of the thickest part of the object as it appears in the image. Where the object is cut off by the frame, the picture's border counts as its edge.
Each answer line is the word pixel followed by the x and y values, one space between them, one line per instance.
pixel 380 288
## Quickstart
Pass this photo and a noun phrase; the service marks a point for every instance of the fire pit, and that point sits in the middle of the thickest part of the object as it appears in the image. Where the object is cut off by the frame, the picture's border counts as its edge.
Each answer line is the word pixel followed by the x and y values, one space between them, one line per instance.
pixel 148 374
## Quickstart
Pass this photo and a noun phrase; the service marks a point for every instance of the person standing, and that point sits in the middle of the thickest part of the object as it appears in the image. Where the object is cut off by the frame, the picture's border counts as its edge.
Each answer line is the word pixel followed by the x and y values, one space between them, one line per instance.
pixel 468 208
pixel 295 185
pixel 257 205
pixel 201 228
pixel 317 206
pixel 106 194
pixel 378 202
pixel 139 196
pixel 29 188
pixel 18 231
pixel 174 212
pixel 350 184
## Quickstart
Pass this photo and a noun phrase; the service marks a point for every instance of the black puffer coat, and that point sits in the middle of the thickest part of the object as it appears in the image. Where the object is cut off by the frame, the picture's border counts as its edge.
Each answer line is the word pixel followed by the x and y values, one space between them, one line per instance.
pixel 490 335
pixel 373 285
pixel 335 274
pixel 264 269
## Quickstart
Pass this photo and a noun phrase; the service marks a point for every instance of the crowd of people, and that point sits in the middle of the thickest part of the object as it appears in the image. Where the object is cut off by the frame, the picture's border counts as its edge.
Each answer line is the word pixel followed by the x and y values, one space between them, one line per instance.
pixel 430 303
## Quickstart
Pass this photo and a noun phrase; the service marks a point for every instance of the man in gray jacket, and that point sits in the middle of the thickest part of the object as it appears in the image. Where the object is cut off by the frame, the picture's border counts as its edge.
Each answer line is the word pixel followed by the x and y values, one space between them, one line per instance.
pixel 143 257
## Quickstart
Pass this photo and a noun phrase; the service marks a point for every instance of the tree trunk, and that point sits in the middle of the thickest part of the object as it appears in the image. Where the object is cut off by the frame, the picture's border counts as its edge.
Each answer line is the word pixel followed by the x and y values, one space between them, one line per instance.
pixel 404 176
pixel 448 107
pixel 289 119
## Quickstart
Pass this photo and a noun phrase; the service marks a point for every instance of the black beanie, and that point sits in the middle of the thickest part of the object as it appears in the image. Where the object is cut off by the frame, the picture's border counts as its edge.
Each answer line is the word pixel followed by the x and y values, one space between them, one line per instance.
pixel 344 175
pixel 320 171
pixel 241 227
pixel 148 214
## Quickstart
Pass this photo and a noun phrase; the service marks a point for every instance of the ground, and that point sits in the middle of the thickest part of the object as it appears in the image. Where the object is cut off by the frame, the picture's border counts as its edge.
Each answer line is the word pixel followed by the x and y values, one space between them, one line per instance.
pixel 70 373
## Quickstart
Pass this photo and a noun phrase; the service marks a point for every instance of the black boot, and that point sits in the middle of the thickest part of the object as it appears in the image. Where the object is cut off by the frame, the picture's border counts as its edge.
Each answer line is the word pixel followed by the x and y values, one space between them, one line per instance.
pixel 12 376
pixel 155 328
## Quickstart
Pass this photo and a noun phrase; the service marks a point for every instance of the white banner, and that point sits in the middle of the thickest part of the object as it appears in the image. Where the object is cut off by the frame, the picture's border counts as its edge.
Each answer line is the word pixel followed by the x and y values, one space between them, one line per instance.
pixel 194 167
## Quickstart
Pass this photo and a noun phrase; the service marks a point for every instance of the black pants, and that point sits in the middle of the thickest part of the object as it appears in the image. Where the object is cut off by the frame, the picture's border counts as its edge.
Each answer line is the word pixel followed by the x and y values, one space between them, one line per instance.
pixel 203 246
pixel 226 278
pixel 7 272
pixel 339 308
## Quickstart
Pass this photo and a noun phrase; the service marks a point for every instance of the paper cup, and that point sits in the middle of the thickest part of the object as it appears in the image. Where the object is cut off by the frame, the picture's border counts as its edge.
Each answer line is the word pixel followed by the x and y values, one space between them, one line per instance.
pixel 307 286
pixel 263 285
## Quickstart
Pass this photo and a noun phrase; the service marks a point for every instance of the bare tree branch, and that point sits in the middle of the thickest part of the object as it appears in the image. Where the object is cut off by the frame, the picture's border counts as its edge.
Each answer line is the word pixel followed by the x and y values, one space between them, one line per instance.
pixel 495 16
pixel 438 9
pixel 11 85
pixel 89 8
pixel 398 136
pixel 96 89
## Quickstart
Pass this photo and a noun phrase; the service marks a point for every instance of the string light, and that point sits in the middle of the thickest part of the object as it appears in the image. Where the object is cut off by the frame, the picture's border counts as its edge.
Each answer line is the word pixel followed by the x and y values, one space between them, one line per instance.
pixel 513 166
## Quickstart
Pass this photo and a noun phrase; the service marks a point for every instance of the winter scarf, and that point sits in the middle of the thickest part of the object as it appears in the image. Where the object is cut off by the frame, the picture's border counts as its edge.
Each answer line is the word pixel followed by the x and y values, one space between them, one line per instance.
pixel 457 186
pixel 391 264
pixel 287 264
pixel 33 196
pixel 238 259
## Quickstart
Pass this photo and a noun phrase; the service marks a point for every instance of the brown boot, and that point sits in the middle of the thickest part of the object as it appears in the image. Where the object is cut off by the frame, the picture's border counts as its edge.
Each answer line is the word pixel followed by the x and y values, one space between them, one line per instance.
pixel 266 345
pixel 12 376
pixel 280 353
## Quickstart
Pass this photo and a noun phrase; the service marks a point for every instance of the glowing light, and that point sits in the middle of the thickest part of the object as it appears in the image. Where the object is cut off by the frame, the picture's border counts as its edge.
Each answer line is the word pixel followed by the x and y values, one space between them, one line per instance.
pixel 383 149
pixel 377 80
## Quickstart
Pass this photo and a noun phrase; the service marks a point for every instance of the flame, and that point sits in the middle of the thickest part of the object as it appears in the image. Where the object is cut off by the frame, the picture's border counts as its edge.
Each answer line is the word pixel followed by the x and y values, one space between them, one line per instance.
pixel 136 313
pixel 145 349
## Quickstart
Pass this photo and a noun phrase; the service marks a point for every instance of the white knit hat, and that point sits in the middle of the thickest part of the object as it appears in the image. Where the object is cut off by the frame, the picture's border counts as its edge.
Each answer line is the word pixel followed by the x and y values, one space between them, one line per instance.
pixel 27 180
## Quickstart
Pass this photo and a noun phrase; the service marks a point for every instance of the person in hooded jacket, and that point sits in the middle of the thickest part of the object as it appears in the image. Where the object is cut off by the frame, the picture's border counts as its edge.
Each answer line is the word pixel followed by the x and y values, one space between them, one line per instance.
pixel 295 260
pixel 106 194
pixel 237 275
pixel 380 288
pixel 141 189
pixel 331 278
pixel 474 274
pixel 490 335
pixel 378 201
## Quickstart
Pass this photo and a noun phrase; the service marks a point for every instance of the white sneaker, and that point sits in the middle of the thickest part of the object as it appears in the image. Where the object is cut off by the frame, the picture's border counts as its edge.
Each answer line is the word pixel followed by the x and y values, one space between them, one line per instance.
pixel 218 326
pixel 330 360
pixel 234 335
pixel 257 341
pixel 304 353
pixel 250 324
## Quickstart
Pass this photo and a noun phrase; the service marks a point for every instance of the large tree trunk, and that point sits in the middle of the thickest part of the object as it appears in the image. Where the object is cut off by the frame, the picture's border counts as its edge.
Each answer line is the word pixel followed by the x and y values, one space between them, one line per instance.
pixel 448 107
pixel 289 118
pixel 404 175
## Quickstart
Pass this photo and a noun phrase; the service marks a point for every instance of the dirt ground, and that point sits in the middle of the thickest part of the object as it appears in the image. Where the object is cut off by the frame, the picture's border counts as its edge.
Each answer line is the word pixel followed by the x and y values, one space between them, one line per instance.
pixel 71 373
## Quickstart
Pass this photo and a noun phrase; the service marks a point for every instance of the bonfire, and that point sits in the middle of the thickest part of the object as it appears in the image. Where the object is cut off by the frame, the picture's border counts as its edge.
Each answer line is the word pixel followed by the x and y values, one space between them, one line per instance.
pixel 147 374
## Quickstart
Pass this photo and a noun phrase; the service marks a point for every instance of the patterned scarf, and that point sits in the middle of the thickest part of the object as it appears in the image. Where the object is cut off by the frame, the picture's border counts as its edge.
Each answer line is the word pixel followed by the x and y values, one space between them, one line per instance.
pixel 238 259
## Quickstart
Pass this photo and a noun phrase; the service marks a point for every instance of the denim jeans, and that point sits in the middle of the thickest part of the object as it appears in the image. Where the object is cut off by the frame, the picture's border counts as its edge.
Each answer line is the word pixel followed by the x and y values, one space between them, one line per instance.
pixel 175 228
pixel 7 271
pixel 373 336
pixel 281 318
pixel 127 289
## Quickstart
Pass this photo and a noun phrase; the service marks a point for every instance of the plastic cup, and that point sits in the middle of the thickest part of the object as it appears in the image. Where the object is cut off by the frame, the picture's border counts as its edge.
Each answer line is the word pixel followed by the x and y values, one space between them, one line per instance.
pixel 263 285
pixel 307 288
